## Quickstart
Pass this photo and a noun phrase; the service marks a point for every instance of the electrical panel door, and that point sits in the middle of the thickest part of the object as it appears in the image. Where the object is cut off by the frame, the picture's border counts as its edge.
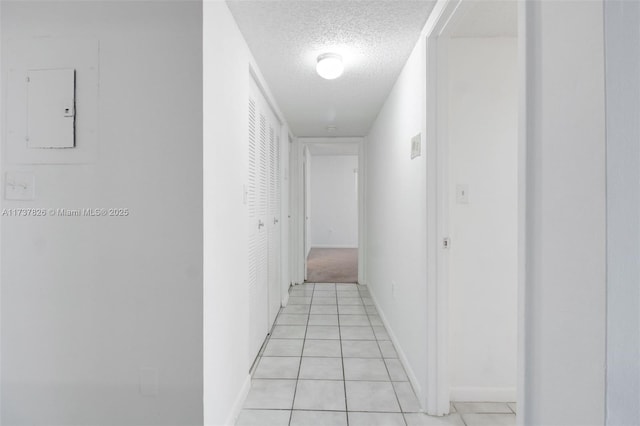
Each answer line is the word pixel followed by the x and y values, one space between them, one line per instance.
pixel 51 108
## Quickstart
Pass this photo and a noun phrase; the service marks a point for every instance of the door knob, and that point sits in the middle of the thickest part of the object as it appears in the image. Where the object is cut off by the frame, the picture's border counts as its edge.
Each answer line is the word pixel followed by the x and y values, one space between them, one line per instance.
pixel 260 224
pixel 275 221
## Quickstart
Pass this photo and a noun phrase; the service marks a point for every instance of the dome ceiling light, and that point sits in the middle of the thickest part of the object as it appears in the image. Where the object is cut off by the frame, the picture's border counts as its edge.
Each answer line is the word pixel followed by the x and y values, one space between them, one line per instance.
pixel 330 66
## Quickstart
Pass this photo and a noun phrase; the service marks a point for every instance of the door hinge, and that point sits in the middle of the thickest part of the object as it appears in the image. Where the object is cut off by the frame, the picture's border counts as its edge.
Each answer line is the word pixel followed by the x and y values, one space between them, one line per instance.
pixel 446 243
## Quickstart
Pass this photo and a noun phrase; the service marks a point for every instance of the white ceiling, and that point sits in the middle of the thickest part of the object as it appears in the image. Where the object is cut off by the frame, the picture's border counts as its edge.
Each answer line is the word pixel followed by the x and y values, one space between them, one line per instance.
pixel 485 18
pixel 375 39
pixel 338 148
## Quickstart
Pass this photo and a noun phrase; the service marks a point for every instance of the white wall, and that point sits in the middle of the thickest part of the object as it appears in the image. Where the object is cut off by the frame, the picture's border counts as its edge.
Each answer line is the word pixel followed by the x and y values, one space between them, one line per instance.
pixel 565 276
pixel 89 302
pixel 396 209
pixel 225 154
pixel 622 39
pixel 334 204
pixel 483 136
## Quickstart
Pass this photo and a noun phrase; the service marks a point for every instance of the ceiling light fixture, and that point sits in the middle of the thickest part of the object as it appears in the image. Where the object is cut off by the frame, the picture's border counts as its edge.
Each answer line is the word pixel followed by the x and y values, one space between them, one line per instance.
pixel 330 66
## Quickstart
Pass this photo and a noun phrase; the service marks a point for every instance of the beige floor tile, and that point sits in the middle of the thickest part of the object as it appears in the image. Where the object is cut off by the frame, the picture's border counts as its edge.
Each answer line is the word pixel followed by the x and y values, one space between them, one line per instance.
pixel 320 395
pixel 318 418
pixel 263 417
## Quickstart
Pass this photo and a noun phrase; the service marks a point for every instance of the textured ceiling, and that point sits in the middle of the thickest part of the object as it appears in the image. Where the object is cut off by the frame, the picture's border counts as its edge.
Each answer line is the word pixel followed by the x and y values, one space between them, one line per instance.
pixel 342 148
pixel 488 19
pixel 375 38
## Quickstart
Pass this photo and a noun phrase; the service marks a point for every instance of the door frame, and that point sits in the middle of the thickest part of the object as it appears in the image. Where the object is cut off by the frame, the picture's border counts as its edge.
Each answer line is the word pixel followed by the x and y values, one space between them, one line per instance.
pixel 437 30
pixel 298 248
pixel 305 207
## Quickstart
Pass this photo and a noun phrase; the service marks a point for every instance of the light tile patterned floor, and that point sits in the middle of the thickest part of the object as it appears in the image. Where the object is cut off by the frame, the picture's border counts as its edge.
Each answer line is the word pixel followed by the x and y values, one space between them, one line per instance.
pixel 329 362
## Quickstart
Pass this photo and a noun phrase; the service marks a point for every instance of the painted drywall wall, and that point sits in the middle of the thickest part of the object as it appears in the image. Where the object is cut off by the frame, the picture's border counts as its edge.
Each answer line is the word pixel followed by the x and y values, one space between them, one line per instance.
pixel 395 198
pixel 95 307
pixel 565 264
pixel 334 201
pixel 622 48
pixel 483 143
pixel 225 155
pixel 226 292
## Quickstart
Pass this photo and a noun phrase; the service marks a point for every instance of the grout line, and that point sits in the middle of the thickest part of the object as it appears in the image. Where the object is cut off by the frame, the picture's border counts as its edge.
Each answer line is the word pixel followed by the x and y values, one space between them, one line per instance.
pixel 295 390
pixel 346 410
pixel 387 369
pixel 258 358
pixel 344 378
pixel 304 341
pixel 339 380
pixel 331 411
pixel 464 422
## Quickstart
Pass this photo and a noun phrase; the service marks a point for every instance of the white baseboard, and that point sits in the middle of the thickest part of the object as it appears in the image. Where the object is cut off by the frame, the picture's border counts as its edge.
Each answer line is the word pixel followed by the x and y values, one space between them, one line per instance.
pixel 483 394
pixel 239 403
pixel 401 355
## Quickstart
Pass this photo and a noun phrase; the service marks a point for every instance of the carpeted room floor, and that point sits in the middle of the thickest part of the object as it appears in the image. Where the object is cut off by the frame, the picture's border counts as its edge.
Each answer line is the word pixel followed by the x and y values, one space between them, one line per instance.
pixel 332 265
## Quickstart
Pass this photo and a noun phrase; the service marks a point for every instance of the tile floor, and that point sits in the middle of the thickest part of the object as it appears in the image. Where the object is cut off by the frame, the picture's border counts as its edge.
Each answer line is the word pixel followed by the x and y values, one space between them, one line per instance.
pixel 329 362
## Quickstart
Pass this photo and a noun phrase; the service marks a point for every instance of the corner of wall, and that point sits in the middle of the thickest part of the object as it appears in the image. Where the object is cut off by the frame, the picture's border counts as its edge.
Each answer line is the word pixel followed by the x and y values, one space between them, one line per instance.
pixel 413 379
pixel 239 402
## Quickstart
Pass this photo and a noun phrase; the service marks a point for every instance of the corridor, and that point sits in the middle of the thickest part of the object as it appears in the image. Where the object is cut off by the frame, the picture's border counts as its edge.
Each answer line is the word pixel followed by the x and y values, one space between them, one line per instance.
pixel 160 164
pixel 330 362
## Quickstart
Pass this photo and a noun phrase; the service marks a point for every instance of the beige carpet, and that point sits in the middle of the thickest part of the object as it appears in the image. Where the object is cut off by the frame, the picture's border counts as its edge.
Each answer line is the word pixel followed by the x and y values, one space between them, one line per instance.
pixel 332 265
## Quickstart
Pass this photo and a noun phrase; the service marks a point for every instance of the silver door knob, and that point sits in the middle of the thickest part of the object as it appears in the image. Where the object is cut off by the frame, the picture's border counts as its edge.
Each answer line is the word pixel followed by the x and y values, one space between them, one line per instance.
pixel 275 221
pixel 260 224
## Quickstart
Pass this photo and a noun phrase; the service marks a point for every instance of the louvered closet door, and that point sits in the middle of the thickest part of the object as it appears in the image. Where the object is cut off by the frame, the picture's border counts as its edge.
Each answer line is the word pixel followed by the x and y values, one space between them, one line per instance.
pixel 257 209
pixel 263 202
pixel 274 224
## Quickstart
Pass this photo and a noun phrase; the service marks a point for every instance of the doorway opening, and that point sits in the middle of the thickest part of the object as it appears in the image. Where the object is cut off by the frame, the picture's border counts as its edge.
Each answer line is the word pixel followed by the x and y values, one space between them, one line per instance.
pixel 331 212
pixel 478 162
pixel 332 265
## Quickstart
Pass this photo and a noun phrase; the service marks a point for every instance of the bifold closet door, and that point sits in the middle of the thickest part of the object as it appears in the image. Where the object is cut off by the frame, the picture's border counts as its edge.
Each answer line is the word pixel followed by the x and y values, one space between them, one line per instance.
pixel 274 224
pixel 263 202
pixel 256 204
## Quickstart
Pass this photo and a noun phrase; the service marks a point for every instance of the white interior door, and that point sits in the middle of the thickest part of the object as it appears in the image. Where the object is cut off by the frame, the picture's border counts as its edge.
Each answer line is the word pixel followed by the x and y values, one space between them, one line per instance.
pixel 273 224
pixel 263 202
pixel 256 204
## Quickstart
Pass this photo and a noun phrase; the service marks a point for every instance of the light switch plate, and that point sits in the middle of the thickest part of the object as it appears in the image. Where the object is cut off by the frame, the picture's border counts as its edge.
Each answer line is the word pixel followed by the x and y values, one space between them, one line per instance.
pixel 462 194
pixel 19 186
pixel 416 146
